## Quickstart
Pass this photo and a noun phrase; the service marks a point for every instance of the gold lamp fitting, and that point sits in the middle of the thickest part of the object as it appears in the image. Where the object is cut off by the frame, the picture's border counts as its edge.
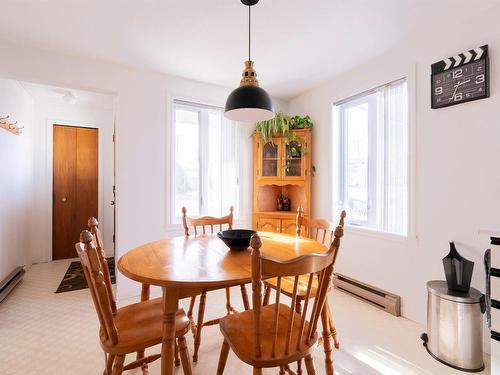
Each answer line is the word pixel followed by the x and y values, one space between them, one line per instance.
pixel 249 75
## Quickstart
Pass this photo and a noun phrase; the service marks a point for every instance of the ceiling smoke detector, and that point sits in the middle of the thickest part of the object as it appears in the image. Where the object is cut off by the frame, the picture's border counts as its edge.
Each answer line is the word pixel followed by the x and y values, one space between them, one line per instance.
pixel 69 97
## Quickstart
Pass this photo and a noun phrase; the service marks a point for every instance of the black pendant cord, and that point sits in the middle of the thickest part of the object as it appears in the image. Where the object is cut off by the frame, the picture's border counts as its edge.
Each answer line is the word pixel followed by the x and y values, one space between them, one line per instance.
pixel 249 30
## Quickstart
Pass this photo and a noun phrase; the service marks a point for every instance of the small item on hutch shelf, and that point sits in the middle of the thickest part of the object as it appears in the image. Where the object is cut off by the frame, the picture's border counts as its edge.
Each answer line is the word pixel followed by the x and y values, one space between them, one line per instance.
pixel 458 270
pixel 236 239
pixel 284 203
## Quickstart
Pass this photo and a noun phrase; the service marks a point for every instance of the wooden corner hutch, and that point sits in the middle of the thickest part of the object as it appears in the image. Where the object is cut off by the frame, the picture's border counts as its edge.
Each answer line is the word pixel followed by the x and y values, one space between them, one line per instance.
pixel 281 168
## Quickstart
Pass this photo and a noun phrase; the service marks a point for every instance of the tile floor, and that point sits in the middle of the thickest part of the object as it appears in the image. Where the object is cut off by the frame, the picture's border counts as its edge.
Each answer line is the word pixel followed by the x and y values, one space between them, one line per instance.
pixel 43 333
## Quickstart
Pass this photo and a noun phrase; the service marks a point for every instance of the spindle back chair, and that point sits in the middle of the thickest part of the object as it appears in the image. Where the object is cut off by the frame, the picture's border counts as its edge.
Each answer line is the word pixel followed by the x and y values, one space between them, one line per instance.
pixel 206 222
pixel 277 335
pixel 129 329
pixel 205 226
pixel 317 229
pixel 93 225
pixel 324 232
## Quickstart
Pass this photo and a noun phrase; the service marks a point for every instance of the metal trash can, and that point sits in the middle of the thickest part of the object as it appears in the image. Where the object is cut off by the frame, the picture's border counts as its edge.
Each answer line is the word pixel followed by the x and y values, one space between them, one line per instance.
pixel 455 326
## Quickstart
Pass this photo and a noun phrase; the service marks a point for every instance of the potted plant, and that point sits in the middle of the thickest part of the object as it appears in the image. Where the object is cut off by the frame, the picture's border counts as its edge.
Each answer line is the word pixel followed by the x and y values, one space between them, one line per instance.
pixel 282 125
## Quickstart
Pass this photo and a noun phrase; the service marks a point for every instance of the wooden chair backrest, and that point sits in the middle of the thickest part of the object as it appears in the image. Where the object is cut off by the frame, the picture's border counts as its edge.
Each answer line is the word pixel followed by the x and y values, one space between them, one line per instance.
pixel 206 222
pixel 314 265
pixel 317 229
pixel 93 270
pixel 97 241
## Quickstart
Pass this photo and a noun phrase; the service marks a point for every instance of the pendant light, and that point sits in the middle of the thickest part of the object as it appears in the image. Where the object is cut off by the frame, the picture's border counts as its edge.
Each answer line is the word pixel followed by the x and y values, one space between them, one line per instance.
pixel 249 102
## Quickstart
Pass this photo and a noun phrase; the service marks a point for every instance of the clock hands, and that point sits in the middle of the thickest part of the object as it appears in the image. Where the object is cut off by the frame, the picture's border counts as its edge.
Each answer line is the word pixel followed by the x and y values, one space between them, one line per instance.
pixel 456 88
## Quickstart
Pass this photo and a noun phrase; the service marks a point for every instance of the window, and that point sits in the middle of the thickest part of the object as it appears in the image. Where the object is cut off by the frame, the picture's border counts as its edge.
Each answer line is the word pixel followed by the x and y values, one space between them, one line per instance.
pixel 373 169
pixel 205 161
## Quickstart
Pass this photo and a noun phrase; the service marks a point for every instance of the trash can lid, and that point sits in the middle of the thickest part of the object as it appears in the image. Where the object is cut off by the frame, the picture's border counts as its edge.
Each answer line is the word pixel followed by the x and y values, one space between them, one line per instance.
pixel 440 288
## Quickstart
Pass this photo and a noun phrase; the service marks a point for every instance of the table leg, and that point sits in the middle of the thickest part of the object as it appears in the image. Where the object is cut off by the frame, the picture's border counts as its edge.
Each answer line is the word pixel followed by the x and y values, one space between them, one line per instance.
pixel 145 292
pixel 170 304
pixel 144 297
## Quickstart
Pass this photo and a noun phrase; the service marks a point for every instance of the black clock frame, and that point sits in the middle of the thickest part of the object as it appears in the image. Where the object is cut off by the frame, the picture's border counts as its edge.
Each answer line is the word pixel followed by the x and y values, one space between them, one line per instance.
pixel 439 67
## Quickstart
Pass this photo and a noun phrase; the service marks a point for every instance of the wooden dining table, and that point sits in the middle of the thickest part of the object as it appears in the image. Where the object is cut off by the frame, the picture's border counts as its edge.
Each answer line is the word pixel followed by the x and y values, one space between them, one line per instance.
pixel 183 266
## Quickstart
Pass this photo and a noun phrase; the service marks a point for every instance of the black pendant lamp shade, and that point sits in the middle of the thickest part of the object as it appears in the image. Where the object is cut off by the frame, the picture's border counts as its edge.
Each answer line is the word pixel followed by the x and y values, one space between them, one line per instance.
pixel 249 102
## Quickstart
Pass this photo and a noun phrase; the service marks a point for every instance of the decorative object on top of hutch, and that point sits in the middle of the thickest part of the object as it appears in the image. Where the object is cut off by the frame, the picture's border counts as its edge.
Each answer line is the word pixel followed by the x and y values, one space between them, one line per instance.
pixel 461 78
pixel 282 173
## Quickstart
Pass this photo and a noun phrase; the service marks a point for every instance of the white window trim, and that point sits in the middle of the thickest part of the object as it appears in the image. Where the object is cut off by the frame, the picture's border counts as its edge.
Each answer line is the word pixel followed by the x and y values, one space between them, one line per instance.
pixel 410 73
pixel 173 226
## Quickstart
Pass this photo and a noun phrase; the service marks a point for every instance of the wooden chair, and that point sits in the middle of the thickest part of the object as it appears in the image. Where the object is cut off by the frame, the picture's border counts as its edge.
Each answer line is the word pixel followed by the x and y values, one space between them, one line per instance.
pixel 277 335
pixel 206 225
pixel 129 329
pixel 322 231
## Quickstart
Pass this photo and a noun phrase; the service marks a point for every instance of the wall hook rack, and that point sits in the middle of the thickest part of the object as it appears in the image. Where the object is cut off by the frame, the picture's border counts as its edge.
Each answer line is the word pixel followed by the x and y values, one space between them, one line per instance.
pixel 10 126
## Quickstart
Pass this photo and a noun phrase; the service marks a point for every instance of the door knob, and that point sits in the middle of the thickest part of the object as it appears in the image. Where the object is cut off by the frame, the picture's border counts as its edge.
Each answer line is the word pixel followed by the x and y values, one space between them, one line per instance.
pixel 64 199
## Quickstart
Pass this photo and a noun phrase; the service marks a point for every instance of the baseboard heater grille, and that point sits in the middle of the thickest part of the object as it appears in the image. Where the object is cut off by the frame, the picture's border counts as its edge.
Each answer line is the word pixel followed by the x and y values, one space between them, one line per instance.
pixel 7 284
pixel 386 301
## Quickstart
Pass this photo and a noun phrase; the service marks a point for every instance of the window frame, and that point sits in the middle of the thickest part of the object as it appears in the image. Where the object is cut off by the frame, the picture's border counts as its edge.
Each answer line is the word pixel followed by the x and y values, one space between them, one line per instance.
pixel 375 187
pixel 175 218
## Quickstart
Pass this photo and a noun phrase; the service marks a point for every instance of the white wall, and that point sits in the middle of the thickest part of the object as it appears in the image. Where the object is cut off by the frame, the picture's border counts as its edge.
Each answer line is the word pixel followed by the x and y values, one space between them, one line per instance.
pixel 454 166
pixel 143 123
pixel 50 111
pixel 16 179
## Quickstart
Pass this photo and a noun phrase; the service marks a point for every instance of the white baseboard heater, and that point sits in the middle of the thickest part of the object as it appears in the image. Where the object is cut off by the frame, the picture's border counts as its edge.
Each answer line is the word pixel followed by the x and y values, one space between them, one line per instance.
pixel 386 301
pixel 12 279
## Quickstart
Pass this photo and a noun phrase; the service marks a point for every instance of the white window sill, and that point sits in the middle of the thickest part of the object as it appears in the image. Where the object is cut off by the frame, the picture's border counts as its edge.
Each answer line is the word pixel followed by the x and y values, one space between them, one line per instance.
pixel 374 233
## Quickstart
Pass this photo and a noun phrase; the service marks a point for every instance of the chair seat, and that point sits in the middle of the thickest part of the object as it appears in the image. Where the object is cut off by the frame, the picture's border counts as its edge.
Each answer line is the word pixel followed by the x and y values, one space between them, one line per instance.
pixel 238 330
pixel 140 325
pixel 288 282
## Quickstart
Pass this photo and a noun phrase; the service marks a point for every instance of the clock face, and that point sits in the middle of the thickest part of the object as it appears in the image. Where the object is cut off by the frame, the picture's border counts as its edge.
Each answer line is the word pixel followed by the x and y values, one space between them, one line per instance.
pixel 460 84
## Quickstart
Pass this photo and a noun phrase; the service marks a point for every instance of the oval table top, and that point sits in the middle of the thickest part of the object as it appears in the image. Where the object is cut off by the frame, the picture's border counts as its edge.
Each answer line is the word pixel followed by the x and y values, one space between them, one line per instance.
pixel 205 261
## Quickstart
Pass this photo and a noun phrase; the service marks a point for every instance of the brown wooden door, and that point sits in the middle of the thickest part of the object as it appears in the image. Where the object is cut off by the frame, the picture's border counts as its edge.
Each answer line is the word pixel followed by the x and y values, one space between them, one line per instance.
pixel 75 186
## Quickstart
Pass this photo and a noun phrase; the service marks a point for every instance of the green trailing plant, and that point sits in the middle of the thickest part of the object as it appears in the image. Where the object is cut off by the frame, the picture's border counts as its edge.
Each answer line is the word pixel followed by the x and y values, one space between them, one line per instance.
pixel 298 122
pixel 284 126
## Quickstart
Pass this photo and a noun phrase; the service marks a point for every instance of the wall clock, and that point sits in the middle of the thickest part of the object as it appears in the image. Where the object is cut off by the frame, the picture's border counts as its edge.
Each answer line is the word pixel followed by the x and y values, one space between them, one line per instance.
pixel 461 78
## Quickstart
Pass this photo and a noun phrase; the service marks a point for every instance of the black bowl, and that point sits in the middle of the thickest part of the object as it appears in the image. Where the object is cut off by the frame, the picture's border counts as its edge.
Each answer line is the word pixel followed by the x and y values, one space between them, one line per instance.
pixel 236 239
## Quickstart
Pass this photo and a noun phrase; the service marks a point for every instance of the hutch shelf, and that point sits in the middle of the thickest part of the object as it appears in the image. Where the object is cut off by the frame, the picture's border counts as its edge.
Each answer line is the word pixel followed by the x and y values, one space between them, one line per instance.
pixel 281 168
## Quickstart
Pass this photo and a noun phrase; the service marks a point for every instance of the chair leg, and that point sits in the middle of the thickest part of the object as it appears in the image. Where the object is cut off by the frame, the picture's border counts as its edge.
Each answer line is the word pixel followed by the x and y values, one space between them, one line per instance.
pixel 228 300
pixel 244 296
pixel 177 360
pixel 267 295
pixel 183 351
pixel 298 306
pixel 109 364
pixel 327 344
pixel 201 313
pixel 257 371
pixel 333 330
pixel 223 358
pixel 282 370
pixel 190 315
pixel 144 366
pixel 118 365
pixel 299 367
pixel 310 365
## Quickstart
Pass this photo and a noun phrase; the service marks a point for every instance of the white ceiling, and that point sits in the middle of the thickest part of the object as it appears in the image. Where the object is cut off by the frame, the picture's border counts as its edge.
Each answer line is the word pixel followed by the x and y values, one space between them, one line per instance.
pixel 296 43
pixel 82 97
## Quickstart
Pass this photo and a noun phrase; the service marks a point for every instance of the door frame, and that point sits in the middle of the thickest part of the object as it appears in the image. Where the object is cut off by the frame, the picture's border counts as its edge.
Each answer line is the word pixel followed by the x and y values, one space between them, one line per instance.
pixel 49 127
